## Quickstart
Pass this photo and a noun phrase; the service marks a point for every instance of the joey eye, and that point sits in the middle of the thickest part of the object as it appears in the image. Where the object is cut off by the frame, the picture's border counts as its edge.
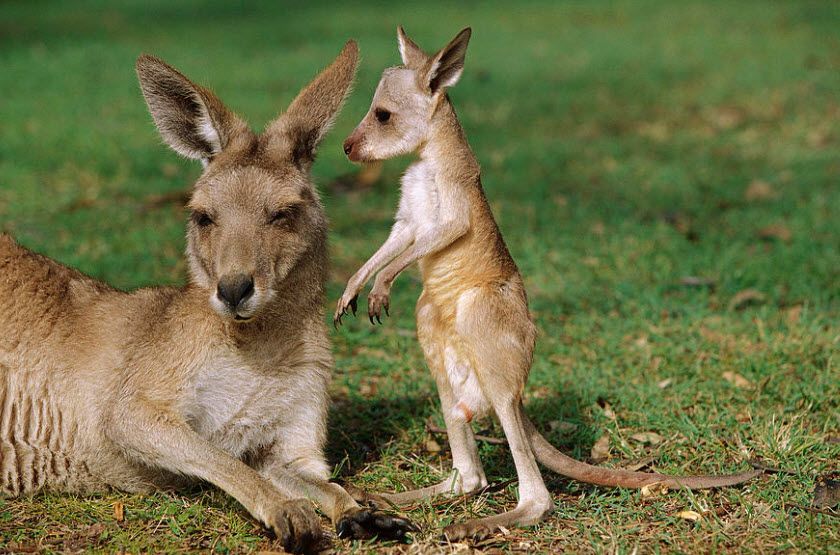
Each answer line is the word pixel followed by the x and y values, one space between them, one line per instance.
pixel 382 115
pixel 202 219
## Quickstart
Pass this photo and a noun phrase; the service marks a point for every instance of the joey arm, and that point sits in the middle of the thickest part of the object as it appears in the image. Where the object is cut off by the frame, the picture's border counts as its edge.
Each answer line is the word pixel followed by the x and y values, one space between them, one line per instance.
pixel 399 239
pixel 429 242
pixel 425 244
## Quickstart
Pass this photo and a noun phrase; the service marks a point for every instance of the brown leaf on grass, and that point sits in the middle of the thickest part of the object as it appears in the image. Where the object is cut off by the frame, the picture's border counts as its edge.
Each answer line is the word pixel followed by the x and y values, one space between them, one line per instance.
pixel 651 438
pixel 654 490
pixel 775 232
pixel 368 388
pixel 759 190
pixel 819 138
pixel 608 411
pixel 737 380
pixel 601 450
pixel 745 298
pixel 119 511
pixel 827 491
pixel 664 383
pixel 727 117
pixel 693 516
pixel 637 465
pixel 792 314
pixel 432 446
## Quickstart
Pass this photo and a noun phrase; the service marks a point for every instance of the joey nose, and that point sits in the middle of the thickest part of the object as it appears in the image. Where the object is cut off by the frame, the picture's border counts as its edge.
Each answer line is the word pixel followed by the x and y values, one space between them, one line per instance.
pixel 235 289
pixel 348 146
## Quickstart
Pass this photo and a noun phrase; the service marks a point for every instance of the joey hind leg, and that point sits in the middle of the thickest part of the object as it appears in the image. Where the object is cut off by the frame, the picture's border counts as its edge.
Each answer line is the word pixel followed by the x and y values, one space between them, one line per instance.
pixel 534 499
pixel 501 340
pixel 467 474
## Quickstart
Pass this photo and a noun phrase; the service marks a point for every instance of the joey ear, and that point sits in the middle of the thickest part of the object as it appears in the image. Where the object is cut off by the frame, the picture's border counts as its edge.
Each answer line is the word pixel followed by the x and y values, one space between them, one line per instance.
pixel 298 132
pixel 191 120
pixel 445 68
pixel 412 55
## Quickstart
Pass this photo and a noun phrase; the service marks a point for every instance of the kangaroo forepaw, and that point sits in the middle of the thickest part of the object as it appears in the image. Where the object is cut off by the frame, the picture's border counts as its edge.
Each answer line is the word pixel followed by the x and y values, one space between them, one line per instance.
pixel 296 526
pixel 365 523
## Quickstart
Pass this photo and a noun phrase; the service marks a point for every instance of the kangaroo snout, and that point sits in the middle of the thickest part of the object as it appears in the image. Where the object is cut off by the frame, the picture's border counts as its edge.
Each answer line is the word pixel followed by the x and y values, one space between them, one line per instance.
pixel 235 290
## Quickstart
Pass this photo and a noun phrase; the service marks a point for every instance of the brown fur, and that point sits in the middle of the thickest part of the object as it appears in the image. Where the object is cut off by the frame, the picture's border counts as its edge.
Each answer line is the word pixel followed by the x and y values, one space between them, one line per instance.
pixel 105 389
pixel 473 321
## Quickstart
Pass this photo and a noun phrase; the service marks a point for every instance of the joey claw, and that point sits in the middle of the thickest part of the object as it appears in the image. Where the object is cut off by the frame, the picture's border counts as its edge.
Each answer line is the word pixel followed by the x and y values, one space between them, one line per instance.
pixel 353 304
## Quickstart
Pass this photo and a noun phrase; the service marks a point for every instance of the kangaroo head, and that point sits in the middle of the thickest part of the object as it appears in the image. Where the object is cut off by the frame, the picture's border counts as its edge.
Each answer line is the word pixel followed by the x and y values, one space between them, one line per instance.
pixel 406 99
pixel 255 211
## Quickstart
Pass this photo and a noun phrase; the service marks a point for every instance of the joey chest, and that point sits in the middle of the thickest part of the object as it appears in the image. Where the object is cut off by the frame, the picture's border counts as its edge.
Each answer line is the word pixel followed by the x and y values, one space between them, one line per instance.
pixel 420 200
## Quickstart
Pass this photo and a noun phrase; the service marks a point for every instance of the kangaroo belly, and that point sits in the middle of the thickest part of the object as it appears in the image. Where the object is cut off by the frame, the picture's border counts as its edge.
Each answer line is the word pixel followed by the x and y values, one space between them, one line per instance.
pixel 39 437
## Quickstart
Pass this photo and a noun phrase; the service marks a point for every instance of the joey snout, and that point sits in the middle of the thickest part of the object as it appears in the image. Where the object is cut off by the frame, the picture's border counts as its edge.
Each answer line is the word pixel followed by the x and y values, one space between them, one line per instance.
pixel 353 146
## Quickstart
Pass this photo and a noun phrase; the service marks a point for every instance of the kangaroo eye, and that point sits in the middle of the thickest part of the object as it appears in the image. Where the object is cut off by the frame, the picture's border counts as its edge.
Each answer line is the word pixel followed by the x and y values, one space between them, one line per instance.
pixel 382 115
pixel 280 216
pixel 202 219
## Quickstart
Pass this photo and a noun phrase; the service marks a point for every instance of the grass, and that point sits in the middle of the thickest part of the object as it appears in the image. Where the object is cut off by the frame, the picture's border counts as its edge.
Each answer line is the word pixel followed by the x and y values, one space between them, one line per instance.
pixel 625 147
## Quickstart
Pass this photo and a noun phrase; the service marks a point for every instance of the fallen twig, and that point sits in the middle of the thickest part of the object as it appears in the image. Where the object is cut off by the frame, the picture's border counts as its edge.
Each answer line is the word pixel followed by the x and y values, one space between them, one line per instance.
pixel 758 464
pixel 431 428
pixel 828 512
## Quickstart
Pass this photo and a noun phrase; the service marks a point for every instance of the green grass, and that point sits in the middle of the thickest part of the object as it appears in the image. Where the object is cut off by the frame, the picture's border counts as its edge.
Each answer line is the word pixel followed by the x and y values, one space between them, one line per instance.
pixel 618 145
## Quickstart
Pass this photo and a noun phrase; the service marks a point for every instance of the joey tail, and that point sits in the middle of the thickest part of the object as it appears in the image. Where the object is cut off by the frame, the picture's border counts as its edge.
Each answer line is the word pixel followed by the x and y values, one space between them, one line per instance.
pixel 552 458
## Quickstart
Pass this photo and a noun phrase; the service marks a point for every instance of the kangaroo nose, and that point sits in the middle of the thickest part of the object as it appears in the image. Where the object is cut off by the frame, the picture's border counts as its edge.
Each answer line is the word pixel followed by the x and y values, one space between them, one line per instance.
pixel 236 289
pixel 348 146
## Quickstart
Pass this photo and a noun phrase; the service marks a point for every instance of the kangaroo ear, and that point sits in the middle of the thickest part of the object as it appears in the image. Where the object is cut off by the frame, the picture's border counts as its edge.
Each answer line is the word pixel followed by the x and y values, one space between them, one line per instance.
pixel 445 68
pixel 412 56
pixel 299 131
pixel 191 120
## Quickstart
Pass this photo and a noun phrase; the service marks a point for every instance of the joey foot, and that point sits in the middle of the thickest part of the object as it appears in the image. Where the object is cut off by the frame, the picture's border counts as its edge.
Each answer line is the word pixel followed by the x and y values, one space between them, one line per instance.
pixel 360 523
pixel 379 299
pixel 296 526
pixel 367 498
pixel 474 530
pixel 346 301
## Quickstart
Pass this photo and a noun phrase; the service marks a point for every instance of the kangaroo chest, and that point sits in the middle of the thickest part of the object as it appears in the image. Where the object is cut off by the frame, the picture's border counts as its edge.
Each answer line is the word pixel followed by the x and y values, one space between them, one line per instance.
pixel 234 405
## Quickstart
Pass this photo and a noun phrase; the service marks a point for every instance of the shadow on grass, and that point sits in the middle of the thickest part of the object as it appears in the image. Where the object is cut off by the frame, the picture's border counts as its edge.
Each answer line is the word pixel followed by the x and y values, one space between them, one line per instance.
pixel 361 429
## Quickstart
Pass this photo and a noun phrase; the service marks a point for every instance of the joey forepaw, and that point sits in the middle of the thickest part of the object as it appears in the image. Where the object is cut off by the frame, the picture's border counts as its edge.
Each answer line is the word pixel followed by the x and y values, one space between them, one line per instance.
pixel 346 301
pixel 379 300
pixel 474 530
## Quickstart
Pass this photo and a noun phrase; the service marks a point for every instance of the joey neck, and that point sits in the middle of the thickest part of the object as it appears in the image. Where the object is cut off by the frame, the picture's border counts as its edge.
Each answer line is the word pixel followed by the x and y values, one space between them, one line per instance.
pixel 447 144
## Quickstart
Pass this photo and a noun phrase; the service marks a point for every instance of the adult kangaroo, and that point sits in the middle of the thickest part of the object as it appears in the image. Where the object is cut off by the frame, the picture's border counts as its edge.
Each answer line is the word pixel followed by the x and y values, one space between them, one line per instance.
pixel 223 380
